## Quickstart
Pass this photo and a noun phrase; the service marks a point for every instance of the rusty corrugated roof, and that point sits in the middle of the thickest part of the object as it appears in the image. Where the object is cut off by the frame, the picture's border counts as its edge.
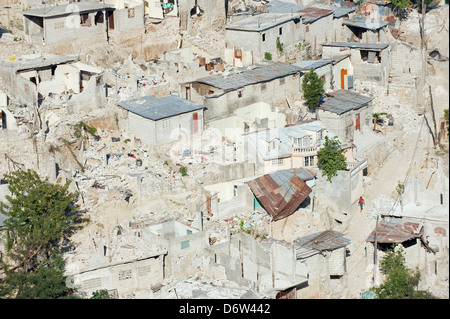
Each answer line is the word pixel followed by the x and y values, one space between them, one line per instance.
pixel 391 232
pixel 280 192
pixel 323 241
pixel 312 14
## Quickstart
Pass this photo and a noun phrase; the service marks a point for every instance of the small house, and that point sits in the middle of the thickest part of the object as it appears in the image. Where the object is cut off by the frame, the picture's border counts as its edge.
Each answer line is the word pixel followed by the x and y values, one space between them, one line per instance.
pixel 324 256
pixel 270 82
pixel 344 111
pixel 162 120
pixel 250 40
pixel 366 30
pixel 82 23
pixel 293 146
pixel 370 61
pixel 317 27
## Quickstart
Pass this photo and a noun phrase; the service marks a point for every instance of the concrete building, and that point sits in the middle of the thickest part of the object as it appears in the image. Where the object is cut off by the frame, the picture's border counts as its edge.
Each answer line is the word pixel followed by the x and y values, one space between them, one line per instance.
pixel 162 120
pixel 324 256
pixel 293 146
pixel 7 119
pixel 126 20
pixel 366 30
pixel 215 11
pixel 370 62
pixel 138 258
pixel 249 118
pixel 317 28
pixel 40 79
pixel 82 23
pixel 248 40
pixel 345 111
pixel 222 95
pixel 323 69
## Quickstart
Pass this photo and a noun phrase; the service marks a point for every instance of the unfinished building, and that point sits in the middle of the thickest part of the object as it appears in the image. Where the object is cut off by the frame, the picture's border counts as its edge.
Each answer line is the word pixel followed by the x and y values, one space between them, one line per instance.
pixel 48 79
pixel 253 39
pixel 370 62
pixel 83 23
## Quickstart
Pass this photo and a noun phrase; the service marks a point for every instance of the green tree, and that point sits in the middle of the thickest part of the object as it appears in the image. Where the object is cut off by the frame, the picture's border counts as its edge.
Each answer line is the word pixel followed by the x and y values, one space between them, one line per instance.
pixel 100 294
pixel 331 158
pixel 312 87
pixel 40 216
pixel 399 7
pixel 268 56
pixel 400 282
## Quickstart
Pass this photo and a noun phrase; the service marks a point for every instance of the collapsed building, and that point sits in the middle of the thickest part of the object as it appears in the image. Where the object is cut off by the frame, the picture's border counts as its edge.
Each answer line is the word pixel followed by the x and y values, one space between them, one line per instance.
pixel 42 80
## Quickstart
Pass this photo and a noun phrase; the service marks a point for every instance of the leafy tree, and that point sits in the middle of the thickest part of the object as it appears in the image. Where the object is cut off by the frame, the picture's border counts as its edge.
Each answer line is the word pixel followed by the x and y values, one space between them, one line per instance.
pixel 312 87
pixel 100 294
pixel 331 158
pixel 399 7
pixel 268 56
pixel 40 215
pixel 400 282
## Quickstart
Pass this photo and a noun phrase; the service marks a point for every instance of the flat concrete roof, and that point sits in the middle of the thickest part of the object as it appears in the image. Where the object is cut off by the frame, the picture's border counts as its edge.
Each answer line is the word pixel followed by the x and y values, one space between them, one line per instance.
pixel 364 23
pixel 36 61
pixel 358 45
pixel 262 22
pixel 67 9
pixel 155 109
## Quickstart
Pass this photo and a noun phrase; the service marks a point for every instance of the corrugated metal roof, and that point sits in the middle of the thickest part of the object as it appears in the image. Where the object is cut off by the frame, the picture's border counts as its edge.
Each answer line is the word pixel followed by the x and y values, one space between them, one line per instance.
pixel 246 76
pixel 322 241
pixel 358 45
pixel 67 9
pixel 311 14
pixel 342 101
pixel 155 109
pixel 364 23
pixel 262 22
pixel 312 64
pixel 340 12
pixel 391 232
pixel 280 192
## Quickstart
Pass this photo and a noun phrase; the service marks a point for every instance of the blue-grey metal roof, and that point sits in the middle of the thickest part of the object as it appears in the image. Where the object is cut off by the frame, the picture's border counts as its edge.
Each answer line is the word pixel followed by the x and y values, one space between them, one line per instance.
pixel 262 22
pixel 66 9
pixel 313 244
pixel 358 45
pixel 342 101
pixel 155 109
pixel 365 23
pixel 341 12
pixel 262 72
pixel 312 64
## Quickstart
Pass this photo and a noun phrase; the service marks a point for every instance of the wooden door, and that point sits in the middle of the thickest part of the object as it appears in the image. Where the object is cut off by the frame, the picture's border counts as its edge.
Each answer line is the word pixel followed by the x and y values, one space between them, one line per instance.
pixel 358 122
